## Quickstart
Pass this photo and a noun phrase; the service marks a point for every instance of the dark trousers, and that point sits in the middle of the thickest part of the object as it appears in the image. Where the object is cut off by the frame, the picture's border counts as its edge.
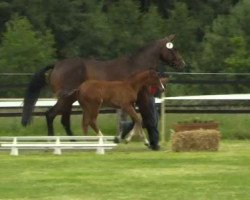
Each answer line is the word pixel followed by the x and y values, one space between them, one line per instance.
pixel 150 121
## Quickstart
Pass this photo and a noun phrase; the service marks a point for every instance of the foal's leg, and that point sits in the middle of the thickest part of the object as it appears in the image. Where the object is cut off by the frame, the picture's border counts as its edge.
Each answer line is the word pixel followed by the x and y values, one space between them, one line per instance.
pixel 144 137
pixel 90 111
pixel 137 127
pixel 85 122
pixel 93 112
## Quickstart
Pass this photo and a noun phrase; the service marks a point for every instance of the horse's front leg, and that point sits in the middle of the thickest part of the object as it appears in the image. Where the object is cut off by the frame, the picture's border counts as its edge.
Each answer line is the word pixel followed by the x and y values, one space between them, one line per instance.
pixel 144 137
pixel 118 136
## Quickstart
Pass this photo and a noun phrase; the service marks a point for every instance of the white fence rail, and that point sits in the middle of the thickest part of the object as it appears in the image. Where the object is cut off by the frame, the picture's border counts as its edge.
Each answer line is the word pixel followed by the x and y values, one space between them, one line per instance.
pixel 17 103
pixel 57 143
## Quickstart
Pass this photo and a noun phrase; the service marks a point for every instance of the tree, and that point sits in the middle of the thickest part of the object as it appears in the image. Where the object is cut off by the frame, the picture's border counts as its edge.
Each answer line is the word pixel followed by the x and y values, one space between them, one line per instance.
pixel 93 34
pixel 228 41
pixel 5 13
pixel 239 60
pixel 123 17
pixel 23 49
pixel 226 47
pixel 184 26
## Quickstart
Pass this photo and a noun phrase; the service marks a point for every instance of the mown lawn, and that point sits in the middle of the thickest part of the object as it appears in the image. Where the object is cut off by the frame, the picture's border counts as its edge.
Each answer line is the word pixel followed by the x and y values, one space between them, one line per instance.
pixel 129 172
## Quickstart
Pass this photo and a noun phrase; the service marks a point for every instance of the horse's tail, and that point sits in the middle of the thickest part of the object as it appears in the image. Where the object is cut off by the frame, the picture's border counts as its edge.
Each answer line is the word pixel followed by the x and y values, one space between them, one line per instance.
pixel 37 82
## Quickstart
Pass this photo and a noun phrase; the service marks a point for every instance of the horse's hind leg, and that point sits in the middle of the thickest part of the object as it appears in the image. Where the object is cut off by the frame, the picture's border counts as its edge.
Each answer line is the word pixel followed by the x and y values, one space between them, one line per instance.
pixel 93 124
pixel 52 113
pixel 93 111
pixel 50 116
pixel 85 122
pixel 65 120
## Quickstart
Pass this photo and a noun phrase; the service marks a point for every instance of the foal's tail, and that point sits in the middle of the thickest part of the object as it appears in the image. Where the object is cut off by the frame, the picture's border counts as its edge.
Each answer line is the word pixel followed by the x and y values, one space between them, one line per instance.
pixel 37 82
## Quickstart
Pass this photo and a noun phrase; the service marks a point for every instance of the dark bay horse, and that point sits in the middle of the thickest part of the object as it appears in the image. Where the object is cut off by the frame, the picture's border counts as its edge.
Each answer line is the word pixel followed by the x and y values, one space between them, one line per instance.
pixel 68 74
pixel 93 94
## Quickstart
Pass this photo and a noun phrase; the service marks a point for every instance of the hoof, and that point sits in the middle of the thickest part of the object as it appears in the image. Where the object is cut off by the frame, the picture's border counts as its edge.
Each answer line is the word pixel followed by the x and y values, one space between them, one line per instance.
pixel 116 140
pixel 126 141
pixel 146 144
pixel 155 147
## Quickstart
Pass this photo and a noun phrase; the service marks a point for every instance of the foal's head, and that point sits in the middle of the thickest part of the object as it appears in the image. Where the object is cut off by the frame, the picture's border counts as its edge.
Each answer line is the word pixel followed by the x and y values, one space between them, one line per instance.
pixel 153 79
pixel 169 54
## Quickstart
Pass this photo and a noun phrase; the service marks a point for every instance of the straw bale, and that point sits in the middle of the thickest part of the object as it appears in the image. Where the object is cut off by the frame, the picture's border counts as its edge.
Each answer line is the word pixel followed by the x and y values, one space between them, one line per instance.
pixel 196 140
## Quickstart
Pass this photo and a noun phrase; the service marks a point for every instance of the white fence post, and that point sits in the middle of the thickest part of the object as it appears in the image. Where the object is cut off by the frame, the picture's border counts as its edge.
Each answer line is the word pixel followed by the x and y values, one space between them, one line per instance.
pixel 163 122
pixel 100 149
pixel 57 150
pixel 14 150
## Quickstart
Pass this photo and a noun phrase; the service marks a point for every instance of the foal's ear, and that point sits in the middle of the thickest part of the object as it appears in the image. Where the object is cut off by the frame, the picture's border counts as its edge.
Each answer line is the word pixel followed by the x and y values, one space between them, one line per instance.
pixel 164 80
pixel 152 72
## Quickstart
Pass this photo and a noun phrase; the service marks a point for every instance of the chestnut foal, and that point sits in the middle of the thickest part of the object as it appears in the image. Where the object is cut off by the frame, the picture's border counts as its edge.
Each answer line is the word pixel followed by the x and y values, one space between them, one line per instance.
pixel 93 94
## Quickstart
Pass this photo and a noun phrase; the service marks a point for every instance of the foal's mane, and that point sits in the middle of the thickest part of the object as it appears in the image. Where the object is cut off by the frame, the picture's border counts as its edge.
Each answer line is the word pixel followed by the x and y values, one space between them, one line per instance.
pixel 133 75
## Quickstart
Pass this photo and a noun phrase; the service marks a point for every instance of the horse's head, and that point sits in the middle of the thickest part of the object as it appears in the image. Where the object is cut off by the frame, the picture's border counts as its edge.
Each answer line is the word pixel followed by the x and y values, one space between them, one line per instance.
pixel 154 80
pixel 170 55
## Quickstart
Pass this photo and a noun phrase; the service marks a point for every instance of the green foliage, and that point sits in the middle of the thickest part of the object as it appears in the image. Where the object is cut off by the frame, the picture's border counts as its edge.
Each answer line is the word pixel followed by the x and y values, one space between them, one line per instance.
pixel 5 12
pixel 23 49
pixel 184 26
pixel 212 36
pixel 226 45
pixel 123 18
pixel 239 60
pixel 93 33
pixel 153 26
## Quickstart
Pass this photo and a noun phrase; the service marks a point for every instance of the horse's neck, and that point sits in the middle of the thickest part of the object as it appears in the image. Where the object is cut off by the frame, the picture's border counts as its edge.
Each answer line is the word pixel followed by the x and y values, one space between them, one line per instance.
pixel 138 81
pixel 148 57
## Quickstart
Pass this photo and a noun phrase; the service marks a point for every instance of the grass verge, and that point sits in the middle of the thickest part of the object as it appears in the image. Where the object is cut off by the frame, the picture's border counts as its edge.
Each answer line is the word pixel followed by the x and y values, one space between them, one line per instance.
pixel 232 126
pixel 128 172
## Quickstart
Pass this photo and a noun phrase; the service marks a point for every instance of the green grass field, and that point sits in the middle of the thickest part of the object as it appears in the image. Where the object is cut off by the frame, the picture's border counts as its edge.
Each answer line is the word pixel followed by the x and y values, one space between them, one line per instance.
pixel 128 172
pixel 232 126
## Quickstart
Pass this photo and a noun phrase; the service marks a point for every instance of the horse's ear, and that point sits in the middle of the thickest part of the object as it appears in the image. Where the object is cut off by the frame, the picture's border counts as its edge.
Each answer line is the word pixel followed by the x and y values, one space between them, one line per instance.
pixel 171 38
pixel 167 39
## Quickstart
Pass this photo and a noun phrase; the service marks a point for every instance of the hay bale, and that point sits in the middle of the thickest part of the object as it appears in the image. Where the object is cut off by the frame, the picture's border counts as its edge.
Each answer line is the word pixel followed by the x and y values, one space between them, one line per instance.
pixel 196 140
